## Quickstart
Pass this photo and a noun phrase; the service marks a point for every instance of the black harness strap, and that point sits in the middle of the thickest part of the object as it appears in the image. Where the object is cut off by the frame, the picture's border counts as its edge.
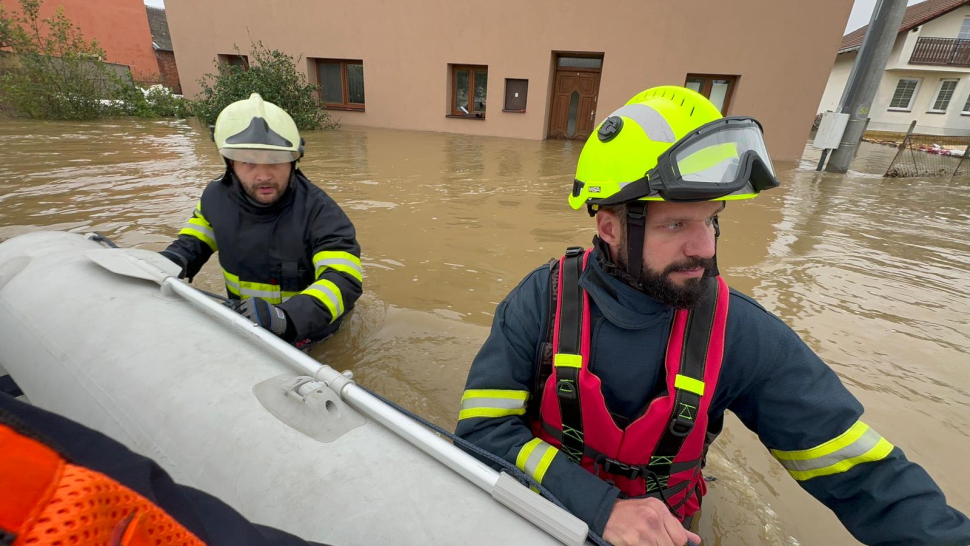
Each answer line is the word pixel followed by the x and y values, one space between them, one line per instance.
pixel 693 361
pixel 570 319
pixel 543 367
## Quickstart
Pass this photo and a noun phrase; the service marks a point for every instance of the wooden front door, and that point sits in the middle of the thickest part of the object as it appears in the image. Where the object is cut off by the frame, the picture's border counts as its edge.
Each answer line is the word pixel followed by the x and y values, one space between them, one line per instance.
pixel 574 104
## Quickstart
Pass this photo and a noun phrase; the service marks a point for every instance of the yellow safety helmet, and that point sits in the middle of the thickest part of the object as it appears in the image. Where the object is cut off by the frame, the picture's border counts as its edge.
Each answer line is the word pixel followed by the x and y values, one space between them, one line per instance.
pixel 256 131
pixel 671 143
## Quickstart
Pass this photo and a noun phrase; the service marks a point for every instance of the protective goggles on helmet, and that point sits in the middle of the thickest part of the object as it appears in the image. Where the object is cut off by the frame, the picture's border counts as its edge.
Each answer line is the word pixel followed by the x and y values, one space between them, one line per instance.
pixel 723 159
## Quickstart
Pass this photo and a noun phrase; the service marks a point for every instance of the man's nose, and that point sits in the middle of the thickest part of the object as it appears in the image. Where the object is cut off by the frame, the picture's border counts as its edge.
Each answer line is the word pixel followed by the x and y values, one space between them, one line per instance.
pixel 701 241
pixel 262 173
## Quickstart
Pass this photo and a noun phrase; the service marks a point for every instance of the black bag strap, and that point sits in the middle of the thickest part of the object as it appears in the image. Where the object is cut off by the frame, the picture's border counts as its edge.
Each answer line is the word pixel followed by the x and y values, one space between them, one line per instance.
pixel 567 360
pixel 543 367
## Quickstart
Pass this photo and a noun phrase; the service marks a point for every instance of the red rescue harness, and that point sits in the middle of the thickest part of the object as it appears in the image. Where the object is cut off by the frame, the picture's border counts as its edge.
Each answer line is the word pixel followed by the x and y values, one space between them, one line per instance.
pixel 660 453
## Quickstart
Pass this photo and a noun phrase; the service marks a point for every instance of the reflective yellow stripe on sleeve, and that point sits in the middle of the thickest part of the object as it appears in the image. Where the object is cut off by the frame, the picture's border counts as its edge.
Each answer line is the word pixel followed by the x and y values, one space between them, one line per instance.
pixel 248 289
pixel 329 295
pixel 492 403
pixel 199 227
pixel 344 262
pixel 535 457
pixel 860 444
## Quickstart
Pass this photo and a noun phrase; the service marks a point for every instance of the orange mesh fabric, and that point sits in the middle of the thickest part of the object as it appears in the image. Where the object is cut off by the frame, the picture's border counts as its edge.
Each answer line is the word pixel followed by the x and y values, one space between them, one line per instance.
pixel 88 507
pixel 28 472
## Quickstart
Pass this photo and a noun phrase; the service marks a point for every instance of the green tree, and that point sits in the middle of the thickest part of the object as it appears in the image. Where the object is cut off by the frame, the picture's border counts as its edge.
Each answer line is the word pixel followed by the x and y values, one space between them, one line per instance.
pixel 273 75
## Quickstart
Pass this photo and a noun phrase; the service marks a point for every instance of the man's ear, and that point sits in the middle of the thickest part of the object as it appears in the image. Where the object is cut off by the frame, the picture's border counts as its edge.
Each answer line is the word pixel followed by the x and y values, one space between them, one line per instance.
pixel 608 227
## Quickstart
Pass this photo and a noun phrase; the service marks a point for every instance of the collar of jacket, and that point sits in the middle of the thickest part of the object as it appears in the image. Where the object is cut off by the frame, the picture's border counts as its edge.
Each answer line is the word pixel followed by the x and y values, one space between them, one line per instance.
pixel 620 303
pixel 247 203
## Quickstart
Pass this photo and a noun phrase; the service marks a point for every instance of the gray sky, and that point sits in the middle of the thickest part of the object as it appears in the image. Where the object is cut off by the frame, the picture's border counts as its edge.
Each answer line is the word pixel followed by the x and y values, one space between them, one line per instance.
pixel 861 12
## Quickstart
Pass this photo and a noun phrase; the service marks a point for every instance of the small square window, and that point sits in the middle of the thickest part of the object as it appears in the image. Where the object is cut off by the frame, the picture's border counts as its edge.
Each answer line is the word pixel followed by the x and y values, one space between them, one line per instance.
pixel 516 94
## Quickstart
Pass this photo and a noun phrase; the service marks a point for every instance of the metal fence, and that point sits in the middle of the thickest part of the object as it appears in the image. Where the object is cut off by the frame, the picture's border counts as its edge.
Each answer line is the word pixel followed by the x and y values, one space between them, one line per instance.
pixel 931 155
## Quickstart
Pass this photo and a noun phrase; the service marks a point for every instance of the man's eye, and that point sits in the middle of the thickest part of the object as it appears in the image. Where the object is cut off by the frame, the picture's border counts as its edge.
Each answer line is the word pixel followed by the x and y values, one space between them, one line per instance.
pixel 673 226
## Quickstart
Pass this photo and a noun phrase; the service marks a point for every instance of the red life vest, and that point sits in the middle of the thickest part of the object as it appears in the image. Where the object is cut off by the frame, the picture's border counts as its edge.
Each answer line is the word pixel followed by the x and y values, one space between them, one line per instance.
pixel 660 453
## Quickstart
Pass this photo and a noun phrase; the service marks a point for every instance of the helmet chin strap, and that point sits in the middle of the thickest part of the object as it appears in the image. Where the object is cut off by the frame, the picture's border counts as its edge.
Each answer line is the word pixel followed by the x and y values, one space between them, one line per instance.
pixel 636 229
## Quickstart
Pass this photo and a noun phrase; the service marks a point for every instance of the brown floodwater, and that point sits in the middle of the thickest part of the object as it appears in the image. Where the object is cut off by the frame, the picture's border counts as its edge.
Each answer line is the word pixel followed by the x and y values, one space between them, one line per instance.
pixel 873 273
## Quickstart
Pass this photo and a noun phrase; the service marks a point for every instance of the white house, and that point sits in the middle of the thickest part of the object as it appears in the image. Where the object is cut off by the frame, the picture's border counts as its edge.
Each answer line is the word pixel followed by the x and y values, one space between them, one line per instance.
pixel 927 78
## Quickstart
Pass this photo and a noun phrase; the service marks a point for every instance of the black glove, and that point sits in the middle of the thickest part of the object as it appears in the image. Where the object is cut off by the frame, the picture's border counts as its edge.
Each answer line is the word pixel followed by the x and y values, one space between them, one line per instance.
pixel 178 259
pixel 264 314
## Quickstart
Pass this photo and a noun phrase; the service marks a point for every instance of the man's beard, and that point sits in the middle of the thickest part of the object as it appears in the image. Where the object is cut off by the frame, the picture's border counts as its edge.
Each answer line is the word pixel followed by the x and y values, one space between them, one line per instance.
pixel 659 285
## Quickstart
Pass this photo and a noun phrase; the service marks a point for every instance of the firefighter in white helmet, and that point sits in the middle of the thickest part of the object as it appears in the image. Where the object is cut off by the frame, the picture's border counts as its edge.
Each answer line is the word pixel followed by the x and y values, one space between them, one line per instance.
pixel 287 250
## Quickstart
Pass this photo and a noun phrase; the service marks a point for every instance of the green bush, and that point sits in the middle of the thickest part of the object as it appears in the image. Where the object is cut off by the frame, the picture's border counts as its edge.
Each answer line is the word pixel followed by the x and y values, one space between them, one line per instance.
pixel 155 102
pixel 52 72
pixel 273 75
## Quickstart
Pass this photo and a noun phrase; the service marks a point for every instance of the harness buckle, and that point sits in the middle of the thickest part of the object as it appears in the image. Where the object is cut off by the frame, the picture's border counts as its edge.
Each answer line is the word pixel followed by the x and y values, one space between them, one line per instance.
pixel 612 466
pixel 574 251
pixel 566 388
pixel 680 427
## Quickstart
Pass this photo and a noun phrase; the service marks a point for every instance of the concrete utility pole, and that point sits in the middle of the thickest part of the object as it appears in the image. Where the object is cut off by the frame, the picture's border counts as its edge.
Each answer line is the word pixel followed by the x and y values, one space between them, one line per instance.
pixel 864 79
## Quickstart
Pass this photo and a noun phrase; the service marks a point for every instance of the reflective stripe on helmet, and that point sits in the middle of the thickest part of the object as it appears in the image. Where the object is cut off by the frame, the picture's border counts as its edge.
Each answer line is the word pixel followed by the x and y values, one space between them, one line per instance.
pixel 651 121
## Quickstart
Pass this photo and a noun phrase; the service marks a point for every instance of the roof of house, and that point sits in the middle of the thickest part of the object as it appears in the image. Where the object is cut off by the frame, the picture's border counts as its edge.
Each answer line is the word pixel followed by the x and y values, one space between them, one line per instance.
pixel 916 15
pixel 158 23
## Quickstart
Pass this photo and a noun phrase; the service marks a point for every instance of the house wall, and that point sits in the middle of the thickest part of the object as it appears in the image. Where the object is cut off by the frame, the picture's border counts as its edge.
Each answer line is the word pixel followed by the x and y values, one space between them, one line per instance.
pixel 120 27
pixel 953 121
pixel 169 71
pixel 406 48
pixel 836 83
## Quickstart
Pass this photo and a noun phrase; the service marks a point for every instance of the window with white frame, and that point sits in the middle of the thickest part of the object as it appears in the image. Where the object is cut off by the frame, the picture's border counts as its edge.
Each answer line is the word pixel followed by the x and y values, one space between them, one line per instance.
pixel 965 29
pixel 903 96
pixel 966 106
pixel 943 96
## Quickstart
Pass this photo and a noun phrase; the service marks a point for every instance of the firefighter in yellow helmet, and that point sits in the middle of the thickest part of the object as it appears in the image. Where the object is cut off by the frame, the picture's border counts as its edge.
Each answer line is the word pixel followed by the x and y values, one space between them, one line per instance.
pixel 287 250
pixel 608 371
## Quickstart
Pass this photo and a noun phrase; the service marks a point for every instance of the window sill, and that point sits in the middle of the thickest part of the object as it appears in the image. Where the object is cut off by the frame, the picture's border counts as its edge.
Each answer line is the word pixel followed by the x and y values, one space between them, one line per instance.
pixel 936 111
pixel 965 113
pixel 344 108
pixel 514 111
pixel 900 109
pixel 463 116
